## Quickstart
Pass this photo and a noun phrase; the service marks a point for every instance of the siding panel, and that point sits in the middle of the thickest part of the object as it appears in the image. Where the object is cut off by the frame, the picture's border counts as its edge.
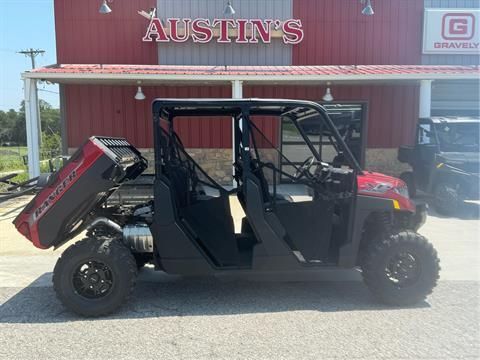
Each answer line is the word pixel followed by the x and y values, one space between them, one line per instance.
pixel 108 110
pixel 336 33
pixel 84 36
pixel 190 53
pixel 390 124
pixel 113 111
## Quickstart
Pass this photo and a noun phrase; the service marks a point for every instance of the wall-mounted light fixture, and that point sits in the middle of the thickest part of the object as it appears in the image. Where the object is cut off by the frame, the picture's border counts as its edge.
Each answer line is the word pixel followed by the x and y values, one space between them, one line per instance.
pixel 368 9
pixel 139 95
pixel 229 10
pixel 328 93
pixel 104 8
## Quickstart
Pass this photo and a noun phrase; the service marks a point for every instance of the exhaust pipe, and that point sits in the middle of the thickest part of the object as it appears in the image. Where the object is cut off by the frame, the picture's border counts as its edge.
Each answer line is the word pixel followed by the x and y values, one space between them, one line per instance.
pixel 136 236
pixel 107 222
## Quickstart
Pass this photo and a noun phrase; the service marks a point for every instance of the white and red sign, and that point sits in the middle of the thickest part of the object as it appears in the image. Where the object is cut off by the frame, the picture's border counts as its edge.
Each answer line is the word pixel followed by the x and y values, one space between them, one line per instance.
pixel 451 31
pixel 240 31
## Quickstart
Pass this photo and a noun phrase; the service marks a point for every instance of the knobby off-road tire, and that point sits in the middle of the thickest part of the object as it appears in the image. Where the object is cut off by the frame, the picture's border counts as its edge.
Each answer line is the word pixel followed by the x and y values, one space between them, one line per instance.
pixel 448 199
pixel 388 255
pixel 94 277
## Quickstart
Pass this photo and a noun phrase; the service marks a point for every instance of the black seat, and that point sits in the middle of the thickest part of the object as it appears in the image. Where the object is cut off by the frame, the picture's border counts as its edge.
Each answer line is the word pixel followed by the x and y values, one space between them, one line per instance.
pixel 180 180
pixel 256 169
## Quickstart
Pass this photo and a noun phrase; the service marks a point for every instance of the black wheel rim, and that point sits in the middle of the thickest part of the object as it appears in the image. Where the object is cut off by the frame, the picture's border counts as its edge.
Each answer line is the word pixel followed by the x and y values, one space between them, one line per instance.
pixel 403 269
pixel 93 279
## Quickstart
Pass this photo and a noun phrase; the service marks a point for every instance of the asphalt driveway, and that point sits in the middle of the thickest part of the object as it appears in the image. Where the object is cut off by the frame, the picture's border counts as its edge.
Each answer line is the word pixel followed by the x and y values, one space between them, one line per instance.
pixel 311 316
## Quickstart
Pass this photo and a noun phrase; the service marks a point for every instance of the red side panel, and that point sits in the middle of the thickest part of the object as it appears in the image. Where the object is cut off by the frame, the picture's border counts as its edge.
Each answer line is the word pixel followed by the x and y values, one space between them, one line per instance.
pixel 336 32
pixel 392 110
pixel 86 37
pixel 113 111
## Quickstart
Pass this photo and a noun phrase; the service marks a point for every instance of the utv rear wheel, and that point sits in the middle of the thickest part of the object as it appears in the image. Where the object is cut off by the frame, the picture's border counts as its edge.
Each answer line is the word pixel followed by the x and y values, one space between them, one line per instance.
pixel 401 268
pixel 95 277
pixel 408 178
pixel 448 199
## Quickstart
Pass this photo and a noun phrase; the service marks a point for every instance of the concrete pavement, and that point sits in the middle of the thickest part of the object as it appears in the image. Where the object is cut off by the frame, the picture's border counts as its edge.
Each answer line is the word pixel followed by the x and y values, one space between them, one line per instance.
pixel 209 319
pixel 309 316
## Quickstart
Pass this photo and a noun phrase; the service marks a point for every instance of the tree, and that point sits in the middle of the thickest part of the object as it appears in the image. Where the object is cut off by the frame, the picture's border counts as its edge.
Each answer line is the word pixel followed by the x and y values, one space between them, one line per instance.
pixel 50 118
pixel 13 127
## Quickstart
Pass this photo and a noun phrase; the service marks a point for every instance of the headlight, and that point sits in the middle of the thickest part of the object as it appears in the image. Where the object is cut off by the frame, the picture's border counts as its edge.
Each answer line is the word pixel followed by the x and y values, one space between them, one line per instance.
pixel 402 191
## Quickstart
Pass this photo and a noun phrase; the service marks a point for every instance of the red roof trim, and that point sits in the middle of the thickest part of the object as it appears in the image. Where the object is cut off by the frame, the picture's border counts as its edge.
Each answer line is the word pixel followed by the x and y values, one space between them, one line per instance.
pixel 258 70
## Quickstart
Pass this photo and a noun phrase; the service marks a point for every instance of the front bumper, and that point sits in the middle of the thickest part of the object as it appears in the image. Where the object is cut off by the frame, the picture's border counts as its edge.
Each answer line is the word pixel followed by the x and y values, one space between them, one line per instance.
pixel 419 218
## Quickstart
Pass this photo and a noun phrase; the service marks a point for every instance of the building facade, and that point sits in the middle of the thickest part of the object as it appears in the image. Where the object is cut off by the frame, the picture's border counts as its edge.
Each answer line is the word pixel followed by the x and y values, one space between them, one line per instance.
pixel 264 33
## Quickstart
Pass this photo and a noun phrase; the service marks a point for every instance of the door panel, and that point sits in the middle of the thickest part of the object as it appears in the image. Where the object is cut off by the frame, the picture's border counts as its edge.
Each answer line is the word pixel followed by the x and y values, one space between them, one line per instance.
pixel 308 226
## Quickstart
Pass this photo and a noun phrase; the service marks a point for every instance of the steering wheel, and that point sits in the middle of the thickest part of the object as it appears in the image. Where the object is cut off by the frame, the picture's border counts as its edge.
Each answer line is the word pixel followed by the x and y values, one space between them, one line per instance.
pixel 304 168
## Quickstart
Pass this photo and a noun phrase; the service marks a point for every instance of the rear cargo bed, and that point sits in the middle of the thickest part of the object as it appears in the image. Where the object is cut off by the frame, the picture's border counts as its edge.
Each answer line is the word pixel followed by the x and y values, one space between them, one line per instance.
pixel 60 209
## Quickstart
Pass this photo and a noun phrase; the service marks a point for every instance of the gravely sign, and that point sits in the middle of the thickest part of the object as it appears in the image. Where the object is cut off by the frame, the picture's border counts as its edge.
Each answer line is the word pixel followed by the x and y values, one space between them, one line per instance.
pixel 240 31
pixel 451 31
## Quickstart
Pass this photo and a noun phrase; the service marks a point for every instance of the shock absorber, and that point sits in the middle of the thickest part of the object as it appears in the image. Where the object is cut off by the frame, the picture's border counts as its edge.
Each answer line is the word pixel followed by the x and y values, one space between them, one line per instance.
pixel 385 219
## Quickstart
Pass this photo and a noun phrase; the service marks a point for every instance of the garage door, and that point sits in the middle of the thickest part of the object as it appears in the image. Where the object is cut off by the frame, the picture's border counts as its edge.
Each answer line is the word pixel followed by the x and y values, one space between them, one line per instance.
pixel 455 98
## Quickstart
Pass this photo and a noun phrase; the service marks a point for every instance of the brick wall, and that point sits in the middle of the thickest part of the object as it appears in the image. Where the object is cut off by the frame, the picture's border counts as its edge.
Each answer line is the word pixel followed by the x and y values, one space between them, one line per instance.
pixel 218 162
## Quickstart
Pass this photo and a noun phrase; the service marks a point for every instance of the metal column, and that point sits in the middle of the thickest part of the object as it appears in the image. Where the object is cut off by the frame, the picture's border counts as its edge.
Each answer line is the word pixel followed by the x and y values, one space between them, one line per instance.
pixel 33 131
pixel 237 93
pixel 425 103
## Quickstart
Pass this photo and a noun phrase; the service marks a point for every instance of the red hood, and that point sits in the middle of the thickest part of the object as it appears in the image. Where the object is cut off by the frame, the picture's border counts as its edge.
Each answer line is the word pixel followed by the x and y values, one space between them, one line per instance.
pixel 384 186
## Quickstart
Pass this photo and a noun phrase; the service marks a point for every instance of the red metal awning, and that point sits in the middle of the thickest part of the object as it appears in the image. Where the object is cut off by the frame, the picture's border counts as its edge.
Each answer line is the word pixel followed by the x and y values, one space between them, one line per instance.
pixel 172 74
pixel 354 70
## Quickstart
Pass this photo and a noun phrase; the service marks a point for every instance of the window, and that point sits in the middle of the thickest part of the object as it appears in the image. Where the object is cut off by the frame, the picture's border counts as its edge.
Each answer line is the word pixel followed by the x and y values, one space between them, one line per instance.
pixel 425 135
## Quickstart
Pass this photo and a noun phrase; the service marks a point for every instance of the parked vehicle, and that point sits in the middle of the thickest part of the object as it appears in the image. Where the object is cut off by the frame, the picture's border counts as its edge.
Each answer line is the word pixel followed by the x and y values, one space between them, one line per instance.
pixel 445 161
pixel 355 220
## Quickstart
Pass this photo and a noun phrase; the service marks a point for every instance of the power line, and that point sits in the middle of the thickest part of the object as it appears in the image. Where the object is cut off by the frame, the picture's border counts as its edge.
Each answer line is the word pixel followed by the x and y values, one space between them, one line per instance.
pixel 49 91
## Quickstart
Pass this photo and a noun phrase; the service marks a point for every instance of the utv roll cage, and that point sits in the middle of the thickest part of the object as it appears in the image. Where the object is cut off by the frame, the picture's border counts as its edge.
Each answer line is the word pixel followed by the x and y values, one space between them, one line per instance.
pixel 240 110
pixel 183 210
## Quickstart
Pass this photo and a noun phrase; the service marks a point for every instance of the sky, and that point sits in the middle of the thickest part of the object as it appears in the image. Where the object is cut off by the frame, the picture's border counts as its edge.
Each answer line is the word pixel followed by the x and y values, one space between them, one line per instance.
pixel 25 24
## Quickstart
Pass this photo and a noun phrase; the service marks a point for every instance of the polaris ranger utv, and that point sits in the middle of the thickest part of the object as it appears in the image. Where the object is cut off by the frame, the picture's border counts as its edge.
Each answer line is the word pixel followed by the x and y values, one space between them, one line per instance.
pixel 445 161
pixel 356 219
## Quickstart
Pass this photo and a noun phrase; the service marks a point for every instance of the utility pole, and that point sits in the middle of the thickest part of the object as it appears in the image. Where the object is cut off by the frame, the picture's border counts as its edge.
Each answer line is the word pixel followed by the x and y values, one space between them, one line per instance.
pixel 33 53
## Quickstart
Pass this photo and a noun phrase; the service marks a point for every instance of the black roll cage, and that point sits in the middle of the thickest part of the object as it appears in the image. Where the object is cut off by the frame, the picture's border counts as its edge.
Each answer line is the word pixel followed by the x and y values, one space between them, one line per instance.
pixel 241 109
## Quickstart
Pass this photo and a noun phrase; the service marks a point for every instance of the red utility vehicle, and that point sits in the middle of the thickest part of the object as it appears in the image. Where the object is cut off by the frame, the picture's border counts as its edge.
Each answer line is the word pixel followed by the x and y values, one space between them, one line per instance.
pixel 354 218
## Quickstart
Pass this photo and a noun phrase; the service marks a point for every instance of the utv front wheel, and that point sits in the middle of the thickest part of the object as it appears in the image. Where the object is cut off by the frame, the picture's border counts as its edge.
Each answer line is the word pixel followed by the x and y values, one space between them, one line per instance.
pixel 401 268
pixel 94 277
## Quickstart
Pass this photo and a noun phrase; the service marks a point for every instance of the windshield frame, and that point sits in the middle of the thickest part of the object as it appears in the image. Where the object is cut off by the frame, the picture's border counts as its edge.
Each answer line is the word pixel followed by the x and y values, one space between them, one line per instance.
pixel 445 146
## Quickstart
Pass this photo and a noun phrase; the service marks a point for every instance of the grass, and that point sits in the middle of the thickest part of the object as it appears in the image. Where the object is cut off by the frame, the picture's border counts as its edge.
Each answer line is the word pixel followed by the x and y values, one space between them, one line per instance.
pixel 11 158
pixel 23 176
